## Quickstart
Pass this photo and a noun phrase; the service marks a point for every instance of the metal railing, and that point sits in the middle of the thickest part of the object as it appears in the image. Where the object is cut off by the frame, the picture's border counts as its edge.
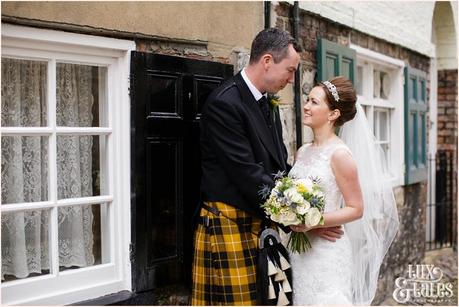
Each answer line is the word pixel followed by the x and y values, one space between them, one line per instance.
pixel 441 207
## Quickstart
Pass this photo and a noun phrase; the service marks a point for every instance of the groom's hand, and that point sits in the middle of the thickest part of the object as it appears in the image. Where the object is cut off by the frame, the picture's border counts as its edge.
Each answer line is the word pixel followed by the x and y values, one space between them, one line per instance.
pixel 329 233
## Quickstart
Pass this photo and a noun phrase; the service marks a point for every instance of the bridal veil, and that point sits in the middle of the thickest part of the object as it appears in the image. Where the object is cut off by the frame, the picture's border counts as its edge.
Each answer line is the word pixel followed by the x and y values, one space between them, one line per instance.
pixel 371 235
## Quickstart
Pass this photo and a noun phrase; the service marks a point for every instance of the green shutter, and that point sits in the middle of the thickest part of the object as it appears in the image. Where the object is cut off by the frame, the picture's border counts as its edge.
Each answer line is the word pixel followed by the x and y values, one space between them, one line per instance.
pixel 335 60
pixel 415 125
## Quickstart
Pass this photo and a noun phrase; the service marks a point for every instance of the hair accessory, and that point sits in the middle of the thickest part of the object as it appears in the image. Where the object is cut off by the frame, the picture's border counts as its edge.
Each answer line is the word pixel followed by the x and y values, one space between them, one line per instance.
pixel 332 88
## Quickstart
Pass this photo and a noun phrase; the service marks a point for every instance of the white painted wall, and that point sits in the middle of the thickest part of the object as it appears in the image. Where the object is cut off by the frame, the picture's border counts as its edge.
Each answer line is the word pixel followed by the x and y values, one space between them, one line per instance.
pixel 445 36
pixel 405 23
pixel 454 7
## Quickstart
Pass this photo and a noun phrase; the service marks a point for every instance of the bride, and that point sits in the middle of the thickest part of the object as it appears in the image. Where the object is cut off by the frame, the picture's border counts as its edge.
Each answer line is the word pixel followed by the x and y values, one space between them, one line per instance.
pixel 351 170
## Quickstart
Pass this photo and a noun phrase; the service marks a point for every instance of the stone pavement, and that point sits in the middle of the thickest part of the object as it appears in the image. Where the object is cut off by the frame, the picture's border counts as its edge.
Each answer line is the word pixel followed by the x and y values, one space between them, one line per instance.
pixel 446 260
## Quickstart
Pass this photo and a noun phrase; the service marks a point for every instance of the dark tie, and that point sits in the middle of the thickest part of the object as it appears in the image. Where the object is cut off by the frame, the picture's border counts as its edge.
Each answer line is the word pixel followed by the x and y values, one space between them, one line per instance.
pixel 264 106
pixel 263 101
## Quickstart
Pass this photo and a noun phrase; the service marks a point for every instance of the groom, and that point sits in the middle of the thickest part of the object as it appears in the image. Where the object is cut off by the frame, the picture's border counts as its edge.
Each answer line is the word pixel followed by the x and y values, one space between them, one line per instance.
pixel 241 148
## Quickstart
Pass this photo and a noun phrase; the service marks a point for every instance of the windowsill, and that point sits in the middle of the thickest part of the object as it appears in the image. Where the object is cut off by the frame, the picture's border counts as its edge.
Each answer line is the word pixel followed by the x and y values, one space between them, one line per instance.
pixel 110 299
pixel 394 182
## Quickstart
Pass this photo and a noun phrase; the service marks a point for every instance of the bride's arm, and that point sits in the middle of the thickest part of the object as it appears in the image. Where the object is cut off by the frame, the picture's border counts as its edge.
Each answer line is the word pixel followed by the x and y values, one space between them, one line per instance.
pixel 345 171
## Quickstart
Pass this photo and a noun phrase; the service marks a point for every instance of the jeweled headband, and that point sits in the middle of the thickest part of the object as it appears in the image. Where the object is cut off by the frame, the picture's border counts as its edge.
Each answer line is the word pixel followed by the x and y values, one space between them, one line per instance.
pixel 332 88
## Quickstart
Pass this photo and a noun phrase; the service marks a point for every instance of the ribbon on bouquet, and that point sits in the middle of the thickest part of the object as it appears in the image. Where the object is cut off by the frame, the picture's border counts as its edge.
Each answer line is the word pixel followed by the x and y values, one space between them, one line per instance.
pixel 274 270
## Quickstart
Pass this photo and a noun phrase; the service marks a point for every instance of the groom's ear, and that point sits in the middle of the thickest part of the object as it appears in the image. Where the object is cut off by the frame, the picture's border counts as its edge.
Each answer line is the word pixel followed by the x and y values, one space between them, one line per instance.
pixel 267 59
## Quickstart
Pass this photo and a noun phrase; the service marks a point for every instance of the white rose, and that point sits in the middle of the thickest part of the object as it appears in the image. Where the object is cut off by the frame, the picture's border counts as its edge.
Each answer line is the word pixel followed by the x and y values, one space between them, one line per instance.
pixel 318 193
pixel 312 217
pixel 288 218
pixel 303 208
pixel 294 196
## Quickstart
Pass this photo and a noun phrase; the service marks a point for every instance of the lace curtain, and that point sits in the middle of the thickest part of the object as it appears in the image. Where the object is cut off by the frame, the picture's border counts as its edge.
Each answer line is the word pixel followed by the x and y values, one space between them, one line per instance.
pixel 25 235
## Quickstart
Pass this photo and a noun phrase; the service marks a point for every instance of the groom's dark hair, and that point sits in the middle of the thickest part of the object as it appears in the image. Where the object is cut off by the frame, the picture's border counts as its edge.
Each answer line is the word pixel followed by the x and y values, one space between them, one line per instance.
pixel 273 41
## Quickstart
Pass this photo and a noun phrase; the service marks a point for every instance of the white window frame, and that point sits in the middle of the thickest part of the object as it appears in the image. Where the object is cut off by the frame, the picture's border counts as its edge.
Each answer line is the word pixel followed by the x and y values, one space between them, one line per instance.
pixel 114 275
pixel 370 59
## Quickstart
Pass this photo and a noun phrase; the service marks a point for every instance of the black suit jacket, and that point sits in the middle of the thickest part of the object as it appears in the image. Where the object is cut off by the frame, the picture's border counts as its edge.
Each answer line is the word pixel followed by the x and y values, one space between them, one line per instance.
pixel 239 151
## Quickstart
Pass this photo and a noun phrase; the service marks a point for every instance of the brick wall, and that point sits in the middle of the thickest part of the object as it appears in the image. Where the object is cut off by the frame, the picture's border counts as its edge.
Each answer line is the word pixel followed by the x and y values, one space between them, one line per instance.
pixel 447 110
pixel 447 131
pixel 182 49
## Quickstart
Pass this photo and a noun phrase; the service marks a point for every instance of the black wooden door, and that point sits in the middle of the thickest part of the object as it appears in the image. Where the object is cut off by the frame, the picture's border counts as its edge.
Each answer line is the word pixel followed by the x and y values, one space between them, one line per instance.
pixel 167 94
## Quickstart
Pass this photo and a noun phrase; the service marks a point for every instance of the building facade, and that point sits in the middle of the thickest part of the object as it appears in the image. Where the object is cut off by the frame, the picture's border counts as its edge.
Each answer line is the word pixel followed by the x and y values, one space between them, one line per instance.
pixel 100 118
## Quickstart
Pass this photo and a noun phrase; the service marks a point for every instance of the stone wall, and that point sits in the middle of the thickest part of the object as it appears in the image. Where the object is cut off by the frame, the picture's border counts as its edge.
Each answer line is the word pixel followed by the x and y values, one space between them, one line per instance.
pixel 409 245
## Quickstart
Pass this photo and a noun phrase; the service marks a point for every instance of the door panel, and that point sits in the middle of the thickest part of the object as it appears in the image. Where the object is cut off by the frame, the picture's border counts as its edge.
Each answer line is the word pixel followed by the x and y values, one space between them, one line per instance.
pixel 167 95
pixel 164 95
pixel 163 225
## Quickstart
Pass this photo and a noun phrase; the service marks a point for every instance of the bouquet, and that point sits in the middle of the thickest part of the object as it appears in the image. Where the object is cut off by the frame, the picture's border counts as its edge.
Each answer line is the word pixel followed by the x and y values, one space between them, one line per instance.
pixel 295 201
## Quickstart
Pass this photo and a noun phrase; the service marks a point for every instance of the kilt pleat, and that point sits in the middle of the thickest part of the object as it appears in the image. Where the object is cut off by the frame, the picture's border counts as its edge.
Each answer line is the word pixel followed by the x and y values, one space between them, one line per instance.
pixel 224 264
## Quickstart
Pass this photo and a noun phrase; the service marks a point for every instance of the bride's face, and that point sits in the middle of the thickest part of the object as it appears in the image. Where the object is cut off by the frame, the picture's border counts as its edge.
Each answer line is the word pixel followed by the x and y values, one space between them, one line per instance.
pixel 316 110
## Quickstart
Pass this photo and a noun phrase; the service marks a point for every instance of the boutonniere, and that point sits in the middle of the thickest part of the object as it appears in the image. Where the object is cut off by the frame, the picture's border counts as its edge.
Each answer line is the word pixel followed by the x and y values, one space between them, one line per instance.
pixel 274 101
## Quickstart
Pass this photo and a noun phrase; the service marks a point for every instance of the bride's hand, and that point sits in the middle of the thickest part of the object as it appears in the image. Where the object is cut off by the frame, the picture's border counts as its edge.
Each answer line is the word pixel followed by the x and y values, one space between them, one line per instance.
pixel 300 228
pixel 329 233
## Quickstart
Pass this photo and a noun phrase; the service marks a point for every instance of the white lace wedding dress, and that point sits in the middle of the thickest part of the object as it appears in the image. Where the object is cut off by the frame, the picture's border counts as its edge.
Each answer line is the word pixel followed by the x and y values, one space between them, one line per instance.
pixel 322 275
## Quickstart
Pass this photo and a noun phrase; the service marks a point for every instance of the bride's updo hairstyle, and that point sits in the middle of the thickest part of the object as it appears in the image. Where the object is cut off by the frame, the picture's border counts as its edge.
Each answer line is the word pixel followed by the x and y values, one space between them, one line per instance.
pixel 342 97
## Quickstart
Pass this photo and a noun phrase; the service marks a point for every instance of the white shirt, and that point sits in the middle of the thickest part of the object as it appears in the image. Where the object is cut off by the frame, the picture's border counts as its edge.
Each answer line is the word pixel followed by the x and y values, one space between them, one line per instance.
pixel 255 92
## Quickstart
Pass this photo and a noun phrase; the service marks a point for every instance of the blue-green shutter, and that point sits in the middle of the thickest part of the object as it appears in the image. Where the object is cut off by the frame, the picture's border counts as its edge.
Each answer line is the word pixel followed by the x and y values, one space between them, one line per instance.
pixel 415 125
pixel 335 60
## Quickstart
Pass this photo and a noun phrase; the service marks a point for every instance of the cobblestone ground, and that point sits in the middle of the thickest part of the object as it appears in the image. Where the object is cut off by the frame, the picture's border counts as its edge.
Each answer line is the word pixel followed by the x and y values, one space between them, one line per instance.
pixel 446 260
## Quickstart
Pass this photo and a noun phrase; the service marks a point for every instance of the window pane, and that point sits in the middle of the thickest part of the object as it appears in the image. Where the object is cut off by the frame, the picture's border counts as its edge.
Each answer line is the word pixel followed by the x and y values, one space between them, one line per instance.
pixel 24 169
pixel 25 244
pixel 359 85
pixel 80 236
pixel 385 85
pixel 375 124
pixel 385 148
pixel 80 95
pixel 79 161
pixel 23 93
pixel 376 83
pixel 383 126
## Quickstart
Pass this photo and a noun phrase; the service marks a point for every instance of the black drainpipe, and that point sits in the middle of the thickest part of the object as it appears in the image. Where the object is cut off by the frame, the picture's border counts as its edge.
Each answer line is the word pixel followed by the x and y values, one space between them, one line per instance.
pixel 267 14
pixel 296 86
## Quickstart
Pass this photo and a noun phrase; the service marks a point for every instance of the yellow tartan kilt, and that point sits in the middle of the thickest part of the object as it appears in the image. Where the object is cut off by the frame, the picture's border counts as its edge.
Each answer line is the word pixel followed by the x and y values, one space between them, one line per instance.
pixel 225 258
